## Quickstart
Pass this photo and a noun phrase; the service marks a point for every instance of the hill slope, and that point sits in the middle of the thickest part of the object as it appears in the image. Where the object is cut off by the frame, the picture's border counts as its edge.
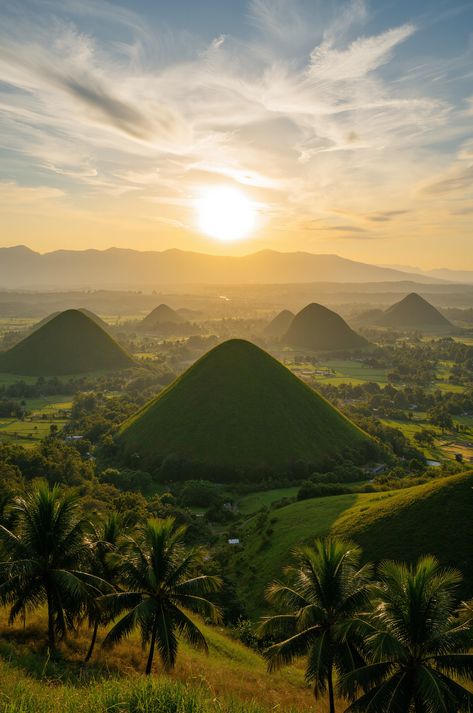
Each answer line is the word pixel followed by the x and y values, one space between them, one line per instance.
pixel 318 328
pixel 238 407
pixel 163 314
pixel 70 343
pixel 88 313
pixel 414 312
pixel 231 679
pixel 279 325
pixel 434 518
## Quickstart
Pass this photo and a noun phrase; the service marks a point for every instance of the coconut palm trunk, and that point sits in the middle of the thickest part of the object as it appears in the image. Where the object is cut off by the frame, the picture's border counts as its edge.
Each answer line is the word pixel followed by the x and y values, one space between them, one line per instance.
pixel 51 632
pixel 331 698
pixel 149 663
pixel 92 641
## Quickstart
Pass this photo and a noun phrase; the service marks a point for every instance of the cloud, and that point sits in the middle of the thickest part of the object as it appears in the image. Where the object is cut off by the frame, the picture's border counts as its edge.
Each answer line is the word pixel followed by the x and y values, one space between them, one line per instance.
pixel 362 57
pixel 459 179
pixel 386 215
pixel 339 228
pixel 301 111
pixel 11 194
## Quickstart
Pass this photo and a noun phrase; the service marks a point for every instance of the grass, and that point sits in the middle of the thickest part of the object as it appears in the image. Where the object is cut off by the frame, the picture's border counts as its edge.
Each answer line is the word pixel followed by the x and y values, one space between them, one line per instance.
pixel 441 449
pixel 232 679
pixel 67 344
pixel 44 411
pixel 264 498
pixel 238 407
pixel 402 524
pixel 352 371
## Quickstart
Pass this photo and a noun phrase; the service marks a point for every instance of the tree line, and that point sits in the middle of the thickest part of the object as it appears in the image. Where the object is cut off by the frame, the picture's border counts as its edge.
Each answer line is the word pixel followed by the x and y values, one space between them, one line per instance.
pixel 386 639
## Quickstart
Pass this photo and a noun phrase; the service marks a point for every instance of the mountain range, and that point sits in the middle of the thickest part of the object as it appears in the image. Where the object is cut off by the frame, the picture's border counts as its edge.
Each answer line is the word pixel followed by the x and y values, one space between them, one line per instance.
pixel 118 268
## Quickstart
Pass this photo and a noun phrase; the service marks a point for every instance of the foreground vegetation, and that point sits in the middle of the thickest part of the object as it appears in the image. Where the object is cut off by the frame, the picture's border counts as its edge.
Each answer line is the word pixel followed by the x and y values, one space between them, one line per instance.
pixel 383 641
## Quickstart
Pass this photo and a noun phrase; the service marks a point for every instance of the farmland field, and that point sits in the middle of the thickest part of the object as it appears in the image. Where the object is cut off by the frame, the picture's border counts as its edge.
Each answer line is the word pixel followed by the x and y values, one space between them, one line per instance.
pixel 42 413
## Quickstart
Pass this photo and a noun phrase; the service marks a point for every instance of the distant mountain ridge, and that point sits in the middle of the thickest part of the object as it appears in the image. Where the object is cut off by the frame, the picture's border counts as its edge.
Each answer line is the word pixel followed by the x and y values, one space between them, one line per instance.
pixel 118 268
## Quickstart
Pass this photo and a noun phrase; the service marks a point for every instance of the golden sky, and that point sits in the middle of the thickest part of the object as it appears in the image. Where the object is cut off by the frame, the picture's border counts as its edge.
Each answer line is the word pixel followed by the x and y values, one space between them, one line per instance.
pixel 347 129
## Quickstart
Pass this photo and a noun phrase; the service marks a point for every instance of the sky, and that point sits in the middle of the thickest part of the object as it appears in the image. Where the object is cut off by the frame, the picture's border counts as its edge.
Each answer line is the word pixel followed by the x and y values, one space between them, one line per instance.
pixel 346 126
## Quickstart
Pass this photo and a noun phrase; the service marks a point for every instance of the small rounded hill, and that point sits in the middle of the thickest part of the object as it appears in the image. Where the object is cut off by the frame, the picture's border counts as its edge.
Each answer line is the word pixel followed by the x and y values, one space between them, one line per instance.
pixel 70 343
pixel 318 328
pixel 279 324
pixel 238 407
pixel 161 315
pixel 414 312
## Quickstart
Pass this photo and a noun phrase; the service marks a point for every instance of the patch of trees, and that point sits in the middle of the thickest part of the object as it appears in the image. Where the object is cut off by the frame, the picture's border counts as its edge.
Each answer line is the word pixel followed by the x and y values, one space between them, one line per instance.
pixel 392 639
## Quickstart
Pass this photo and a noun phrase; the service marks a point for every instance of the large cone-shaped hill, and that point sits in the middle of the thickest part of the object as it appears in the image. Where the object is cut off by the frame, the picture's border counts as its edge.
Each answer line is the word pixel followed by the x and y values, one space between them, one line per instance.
pixel 279 325
pixel 161 315
pixel 70 343
pixel 238 407
pixel 318 328
pixel 98 320
pixel 413 312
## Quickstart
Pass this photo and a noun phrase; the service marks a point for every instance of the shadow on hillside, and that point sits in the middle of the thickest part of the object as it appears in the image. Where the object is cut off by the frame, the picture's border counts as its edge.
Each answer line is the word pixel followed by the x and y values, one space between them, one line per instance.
pixel 24 649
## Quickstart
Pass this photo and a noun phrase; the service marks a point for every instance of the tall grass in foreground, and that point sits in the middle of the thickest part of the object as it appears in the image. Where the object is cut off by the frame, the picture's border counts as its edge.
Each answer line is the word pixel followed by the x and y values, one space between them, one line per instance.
pixel 125 696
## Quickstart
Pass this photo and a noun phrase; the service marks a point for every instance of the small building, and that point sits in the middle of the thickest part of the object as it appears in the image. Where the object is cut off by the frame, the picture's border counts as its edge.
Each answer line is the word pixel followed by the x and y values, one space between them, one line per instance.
pixel 377 469
pixel 233 541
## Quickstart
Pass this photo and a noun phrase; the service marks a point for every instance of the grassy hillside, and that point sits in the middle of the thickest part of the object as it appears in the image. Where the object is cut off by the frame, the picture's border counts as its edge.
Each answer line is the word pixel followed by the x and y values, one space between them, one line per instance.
pixel 433 518
pixel 318 328
pixel 162 314
pixel 94 317
pixel 413 312
pixel 70 343
pixel 232 679
pixel 239 407
pixel 279 325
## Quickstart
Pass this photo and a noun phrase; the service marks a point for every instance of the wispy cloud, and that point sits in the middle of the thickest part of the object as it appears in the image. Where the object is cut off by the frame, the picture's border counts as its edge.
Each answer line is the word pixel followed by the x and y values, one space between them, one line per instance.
pixel 312 115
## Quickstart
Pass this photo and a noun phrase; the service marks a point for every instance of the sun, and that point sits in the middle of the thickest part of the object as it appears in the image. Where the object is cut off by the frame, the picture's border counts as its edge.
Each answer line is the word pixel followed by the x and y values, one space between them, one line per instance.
pixel 225 213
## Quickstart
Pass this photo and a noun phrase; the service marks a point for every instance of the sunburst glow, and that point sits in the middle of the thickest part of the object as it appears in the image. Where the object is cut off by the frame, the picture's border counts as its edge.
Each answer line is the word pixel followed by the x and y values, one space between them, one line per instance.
pixel 226 213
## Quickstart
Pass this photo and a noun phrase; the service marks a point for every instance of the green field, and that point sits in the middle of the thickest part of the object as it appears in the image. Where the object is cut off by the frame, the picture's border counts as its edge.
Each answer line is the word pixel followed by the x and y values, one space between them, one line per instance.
pixel 264 498
pixel 437 451
pixel 400 524
pixel 42 412
pixel 344 372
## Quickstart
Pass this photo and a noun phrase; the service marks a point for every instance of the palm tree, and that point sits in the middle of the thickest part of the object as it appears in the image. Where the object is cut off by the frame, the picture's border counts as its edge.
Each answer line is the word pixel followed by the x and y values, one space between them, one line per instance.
pixel 159 576
pixel 416 642
pixel 103 543
pixel 327 589
pixel 43 554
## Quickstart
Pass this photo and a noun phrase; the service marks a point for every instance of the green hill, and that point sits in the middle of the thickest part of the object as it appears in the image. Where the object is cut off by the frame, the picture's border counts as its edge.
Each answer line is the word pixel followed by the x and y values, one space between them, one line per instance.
pixel 238 407
pixel 413 312
pixel 279 325
pixel 317 328
pixel 161 315
pixel 434 518
pixel 94 317
pixel 70 343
